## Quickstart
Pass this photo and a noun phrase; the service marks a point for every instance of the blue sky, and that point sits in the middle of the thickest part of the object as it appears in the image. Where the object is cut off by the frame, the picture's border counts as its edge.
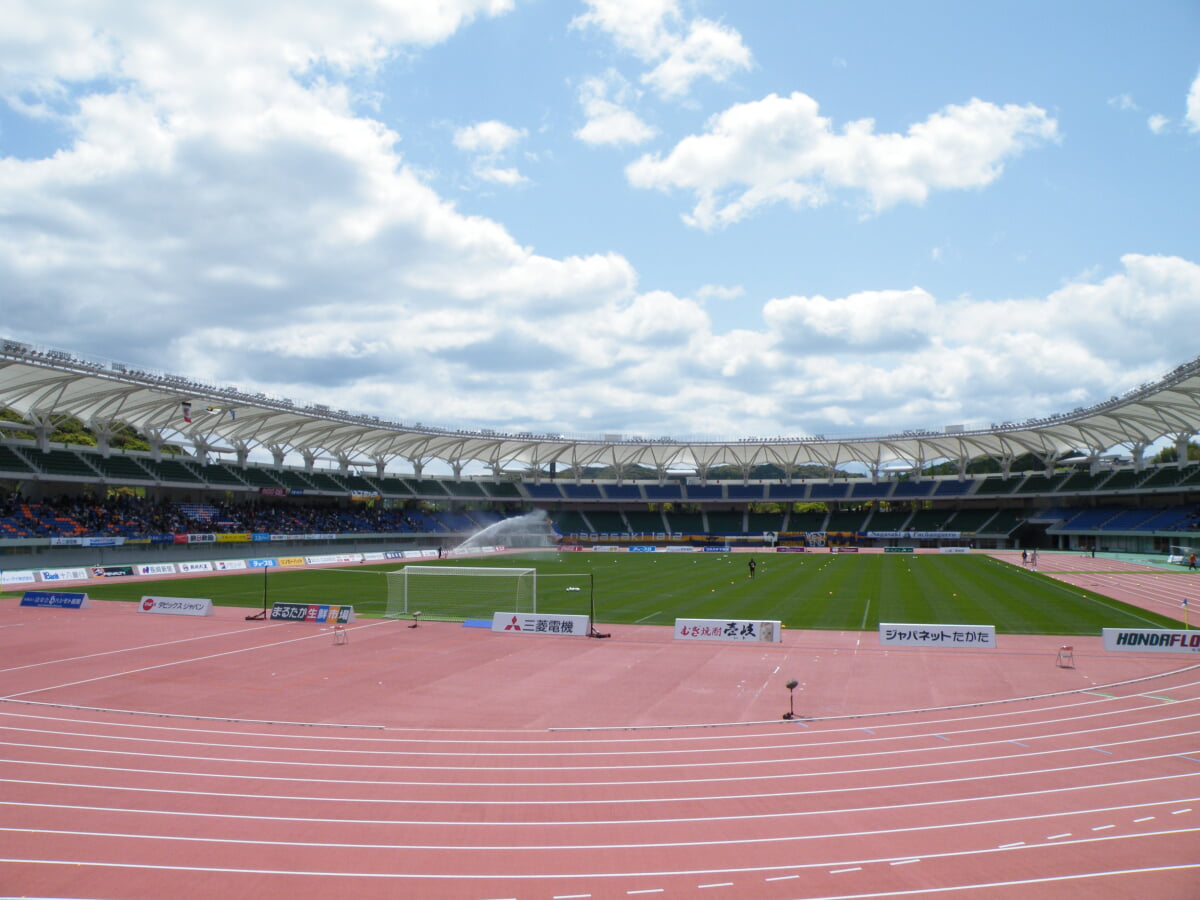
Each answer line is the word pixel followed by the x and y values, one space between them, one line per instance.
pixel 695 219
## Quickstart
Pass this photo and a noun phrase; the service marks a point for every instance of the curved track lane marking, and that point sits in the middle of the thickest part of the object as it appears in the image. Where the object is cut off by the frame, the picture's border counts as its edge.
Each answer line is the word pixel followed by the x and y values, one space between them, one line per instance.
pixel 814 739
pixel 573 801
pixel 1085 694
pixel 458 823
pixel 537 876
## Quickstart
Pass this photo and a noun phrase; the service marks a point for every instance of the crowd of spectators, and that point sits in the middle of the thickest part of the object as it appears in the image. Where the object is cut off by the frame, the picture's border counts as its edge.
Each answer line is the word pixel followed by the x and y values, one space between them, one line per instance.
pixel 131 516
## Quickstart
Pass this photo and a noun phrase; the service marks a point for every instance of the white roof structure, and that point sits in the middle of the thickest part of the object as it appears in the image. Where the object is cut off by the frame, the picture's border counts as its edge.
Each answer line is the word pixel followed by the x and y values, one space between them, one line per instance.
pixel 43 385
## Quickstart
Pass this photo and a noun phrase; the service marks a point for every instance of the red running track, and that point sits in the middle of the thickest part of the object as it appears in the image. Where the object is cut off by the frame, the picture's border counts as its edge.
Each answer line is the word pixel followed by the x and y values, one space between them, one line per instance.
pixel 147 757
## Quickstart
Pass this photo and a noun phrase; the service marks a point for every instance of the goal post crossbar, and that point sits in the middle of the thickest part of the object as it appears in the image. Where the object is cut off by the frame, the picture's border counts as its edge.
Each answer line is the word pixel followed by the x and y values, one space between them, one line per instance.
pixel 466 570
pixel 465 592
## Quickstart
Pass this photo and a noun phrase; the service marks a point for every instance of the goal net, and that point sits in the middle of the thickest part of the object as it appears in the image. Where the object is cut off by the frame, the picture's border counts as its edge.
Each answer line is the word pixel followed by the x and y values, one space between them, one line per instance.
pixel 460 592
pixel 1181 554
pixel 455 593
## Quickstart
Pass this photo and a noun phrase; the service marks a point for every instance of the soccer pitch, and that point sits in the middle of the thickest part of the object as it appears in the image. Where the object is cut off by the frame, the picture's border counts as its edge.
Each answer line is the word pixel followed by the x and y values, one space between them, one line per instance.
pixel 844 592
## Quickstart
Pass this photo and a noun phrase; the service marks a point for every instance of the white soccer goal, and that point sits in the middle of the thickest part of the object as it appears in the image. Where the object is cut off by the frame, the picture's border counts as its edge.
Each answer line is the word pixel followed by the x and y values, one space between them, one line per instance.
pixel 460 592
pixel 1180 554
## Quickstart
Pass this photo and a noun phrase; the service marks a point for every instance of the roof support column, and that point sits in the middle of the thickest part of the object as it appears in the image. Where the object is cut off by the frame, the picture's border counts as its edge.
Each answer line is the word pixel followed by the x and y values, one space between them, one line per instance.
pixel 1137 452
pixel 156 441
pixel 1181 447
pixel 41 429
pixel 104 435
pixel 202 448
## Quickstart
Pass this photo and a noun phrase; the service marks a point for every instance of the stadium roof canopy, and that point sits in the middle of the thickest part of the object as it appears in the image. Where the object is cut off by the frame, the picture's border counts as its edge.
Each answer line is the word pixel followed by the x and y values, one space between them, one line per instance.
pixel 45 385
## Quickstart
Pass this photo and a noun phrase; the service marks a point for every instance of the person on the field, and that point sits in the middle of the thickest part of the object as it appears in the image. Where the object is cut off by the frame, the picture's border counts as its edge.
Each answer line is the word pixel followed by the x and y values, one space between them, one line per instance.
pixel 752 566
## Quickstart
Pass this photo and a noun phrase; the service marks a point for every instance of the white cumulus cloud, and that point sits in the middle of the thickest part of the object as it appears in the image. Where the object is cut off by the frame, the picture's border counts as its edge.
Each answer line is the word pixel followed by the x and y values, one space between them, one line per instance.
pixel 488 142
pixel 1193 105
pixel 781 150
pixel 679 51
pixel 609 120
pixel 257 228
pixel 488 137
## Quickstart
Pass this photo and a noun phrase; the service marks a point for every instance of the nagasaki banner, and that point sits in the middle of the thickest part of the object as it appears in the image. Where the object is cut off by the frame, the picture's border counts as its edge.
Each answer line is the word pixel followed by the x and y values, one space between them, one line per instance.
pixel 742 630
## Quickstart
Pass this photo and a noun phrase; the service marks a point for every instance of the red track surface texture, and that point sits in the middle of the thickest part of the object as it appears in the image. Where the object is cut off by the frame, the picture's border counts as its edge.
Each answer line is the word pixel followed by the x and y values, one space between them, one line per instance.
pixel 153 757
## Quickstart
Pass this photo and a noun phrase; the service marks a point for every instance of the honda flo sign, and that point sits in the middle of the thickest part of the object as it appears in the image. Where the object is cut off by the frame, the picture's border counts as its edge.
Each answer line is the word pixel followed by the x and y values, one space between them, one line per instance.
pixel 1151 640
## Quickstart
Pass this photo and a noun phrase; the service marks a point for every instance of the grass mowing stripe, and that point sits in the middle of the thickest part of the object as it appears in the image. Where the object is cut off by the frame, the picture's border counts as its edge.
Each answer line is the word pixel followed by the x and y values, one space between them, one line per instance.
pixel 843 592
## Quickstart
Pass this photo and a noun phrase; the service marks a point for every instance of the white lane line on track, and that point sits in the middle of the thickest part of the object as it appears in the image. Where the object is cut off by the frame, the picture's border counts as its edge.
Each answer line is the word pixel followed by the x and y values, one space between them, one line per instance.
pixel 1006 718
pixel 605 823
pixel 119 650
pixel 388 741
pixel 539 876
pixel 178 662
pixel 545 767
pixel 348 767
pixel 45 833
pixel 576 801
pixel 895 713
pixel 1118 610
pixel 168 715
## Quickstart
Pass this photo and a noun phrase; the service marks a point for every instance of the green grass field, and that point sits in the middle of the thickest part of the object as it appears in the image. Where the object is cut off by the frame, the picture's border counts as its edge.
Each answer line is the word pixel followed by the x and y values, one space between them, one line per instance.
pixel 807 591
